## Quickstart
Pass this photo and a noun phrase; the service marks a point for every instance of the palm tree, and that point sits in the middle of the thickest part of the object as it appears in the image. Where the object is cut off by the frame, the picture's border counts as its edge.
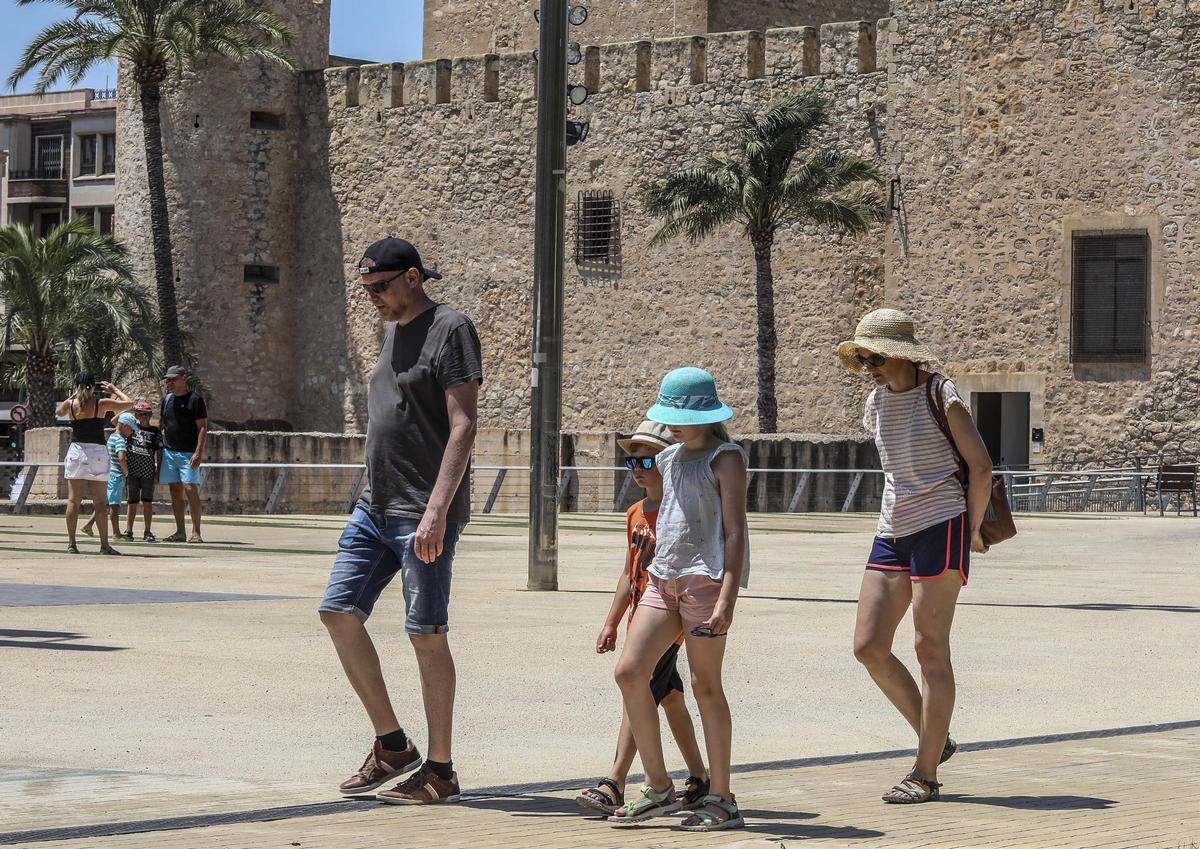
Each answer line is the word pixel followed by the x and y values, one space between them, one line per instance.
pixel 767 183
pixel 53 291
pixel 155 40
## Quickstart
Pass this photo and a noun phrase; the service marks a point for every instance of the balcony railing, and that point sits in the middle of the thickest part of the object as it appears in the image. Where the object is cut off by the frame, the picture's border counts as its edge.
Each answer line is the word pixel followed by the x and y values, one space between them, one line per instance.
pixel 35 173
pixel 104 94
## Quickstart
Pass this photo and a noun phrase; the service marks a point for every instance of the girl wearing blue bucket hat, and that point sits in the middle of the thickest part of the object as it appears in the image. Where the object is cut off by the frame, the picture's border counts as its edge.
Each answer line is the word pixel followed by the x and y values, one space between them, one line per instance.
pixel 698 565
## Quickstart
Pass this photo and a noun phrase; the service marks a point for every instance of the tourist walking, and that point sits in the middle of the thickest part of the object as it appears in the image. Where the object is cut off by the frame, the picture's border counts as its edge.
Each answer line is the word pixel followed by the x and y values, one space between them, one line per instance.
pixel 143 455
pixel 926 533
pixel 698 563
pixel 666 686
pixel 86 465
pixel 184 420
pixel 421 421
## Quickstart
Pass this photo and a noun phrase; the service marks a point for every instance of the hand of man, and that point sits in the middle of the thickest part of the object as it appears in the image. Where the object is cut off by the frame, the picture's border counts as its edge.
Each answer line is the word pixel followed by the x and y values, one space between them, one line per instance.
pixel 195 461
pixel 427 542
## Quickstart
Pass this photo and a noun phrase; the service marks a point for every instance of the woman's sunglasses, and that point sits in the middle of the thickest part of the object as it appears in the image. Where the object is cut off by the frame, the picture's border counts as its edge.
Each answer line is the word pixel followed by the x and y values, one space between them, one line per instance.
pixel 646 463
pixel 381 286
pixel 875 360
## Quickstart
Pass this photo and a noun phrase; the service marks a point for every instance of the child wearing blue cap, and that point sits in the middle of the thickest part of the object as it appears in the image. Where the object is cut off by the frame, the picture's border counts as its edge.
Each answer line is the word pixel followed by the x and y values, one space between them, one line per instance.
pixel 118 469
pixel 698 565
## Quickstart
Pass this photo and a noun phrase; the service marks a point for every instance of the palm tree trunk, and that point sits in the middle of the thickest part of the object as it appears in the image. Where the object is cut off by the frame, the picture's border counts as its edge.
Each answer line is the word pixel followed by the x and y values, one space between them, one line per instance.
pixel 764 290
pixel 41 389
pixel 160 225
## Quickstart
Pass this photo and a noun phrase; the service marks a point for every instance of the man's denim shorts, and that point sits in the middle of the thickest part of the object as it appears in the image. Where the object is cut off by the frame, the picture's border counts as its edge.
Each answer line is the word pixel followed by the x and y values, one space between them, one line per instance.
pixel 371 551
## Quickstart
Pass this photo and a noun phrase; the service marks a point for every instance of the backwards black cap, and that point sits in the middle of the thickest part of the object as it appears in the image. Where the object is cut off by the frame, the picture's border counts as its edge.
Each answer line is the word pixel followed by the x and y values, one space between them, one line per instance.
pixel 392 254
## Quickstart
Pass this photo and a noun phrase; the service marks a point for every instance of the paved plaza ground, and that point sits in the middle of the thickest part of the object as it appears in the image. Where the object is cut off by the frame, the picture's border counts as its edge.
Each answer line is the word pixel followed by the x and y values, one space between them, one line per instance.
pixel 187 696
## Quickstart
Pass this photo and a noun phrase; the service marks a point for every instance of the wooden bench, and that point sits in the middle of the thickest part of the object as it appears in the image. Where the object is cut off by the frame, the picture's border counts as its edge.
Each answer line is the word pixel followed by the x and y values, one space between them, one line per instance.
pixel 1178 480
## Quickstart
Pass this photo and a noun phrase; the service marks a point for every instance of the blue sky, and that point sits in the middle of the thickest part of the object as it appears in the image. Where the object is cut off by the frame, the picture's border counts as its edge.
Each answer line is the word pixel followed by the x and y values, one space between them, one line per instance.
pixel 382 30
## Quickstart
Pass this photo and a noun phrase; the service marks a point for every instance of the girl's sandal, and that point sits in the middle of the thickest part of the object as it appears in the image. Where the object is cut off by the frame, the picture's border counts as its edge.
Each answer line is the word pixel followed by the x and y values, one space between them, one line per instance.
pixel 694 791
pixel 605 797
pixel 654 803
pixel 948 750
pixel 714 814
pixel 913 791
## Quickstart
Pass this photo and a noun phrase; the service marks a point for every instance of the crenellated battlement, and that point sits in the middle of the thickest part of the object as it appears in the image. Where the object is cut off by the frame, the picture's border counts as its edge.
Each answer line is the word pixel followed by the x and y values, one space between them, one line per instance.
pixel 780 55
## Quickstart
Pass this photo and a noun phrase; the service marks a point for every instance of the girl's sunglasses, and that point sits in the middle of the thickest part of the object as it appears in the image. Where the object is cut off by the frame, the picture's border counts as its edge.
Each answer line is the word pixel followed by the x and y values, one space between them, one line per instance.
pixel 381 286
pixel 646 463
pixel 875 360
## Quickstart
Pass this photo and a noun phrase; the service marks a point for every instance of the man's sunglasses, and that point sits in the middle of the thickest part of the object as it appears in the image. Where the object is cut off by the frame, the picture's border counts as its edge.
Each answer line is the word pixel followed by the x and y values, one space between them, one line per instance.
pixel 646 463
pixel 381 286
pixel 875 360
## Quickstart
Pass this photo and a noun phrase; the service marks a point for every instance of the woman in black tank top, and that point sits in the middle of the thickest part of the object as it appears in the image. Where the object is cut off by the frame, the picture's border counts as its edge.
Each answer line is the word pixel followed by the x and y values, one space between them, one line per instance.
pixel 86 466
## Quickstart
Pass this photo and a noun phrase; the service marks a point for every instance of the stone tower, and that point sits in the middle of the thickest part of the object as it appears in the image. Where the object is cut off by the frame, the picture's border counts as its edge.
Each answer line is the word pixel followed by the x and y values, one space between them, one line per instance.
pixel 472 27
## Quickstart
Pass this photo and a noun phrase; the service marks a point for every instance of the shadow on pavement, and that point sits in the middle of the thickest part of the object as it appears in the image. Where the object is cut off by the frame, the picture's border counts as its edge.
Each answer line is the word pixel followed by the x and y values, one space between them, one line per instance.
pixel 1035 803
pixel 50 640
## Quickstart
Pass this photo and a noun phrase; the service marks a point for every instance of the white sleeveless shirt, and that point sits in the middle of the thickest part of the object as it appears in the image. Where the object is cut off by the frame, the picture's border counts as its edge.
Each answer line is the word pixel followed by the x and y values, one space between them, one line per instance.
pixel 691 532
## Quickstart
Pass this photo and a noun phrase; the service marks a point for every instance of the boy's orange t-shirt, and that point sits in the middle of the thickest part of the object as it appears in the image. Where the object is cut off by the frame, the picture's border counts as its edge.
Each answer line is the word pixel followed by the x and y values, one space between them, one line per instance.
pixel 639 527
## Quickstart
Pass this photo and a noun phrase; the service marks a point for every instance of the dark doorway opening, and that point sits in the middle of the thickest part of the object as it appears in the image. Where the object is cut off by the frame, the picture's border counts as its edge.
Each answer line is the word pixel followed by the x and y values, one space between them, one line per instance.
pixel 1002 419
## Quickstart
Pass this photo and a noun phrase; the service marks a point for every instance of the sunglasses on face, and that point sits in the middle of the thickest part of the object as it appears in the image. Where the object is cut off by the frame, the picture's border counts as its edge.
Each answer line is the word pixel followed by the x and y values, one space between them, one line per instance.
pixel 875 360
pixel 646 463
pixel 381 286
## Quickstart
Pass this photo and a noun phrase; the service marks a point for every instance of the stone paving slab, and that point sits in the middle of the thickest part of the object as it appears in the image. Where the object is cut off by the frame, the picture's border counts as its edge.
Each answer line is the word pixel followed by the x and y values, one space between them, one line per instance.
pixel 1125 788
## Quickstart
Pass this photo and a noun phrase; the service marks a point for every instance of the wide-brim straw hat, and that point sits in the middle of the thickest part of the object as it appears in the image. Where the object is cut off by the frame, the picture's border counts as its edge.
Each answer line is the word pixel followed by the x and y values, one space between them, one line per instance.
pixel 688 396
pixel 648 433
pixel 888 332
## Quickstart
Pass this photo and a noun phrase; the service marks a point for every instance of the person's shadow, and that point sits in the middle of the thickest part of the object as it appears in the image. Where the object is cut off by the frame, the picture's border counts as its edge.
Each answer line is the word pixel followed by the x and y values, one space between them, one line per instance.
pixel 1034 803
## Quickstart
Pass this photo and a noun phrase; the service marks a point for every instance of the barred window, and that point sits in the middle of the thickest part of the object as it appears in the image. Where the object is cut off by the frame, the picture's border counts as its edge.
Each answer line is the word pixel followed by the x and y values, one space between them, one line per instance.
pixel 1109 284
pixel 598 232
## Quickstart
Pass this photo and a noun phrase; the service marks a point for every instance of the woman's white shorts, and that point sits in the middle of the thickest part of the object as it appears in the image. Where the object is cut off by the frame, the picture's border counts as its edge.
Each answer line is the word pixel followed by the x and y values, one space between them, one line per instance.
pixel 86 462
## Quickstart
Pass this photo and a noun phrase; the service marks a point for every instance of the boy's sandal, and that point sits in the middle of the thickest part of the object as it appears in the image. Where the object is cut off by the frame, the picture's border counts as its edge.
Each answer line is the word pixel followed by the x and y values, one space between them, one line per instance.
pixel 605 797
pixel 715 814
pixel 948 750
pixel 108 549
pixel 72 549
pixel 694 791
pixel 913 791
pixel 654 803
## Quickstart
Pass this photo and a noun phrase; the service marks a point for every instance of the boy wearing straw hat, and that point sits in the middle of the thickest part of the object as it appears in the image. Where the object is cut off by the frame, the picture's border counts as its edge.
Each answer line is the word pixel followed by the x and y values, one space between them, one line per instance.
pixel 665 684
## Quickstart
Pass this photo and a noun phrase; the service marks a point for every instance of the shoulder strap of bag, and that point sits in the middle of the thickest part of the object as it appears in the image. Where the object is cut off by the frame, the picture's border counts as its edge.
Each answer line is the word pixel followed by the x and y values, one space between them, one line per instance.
pixel 937 408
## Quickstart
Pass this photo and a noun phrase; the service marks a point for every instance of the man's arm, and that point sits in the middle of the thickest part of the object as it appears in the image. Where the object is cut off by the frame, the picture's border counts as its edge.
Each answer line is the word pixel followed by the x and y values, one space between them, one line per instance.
pixel 198 455
pixel 462 405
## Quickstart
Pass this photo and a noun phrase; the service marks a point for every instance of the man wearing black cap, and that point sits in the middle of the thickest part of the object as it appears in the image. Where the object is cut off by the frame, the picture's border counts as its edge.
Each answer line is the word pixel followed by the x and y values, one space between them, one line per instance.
pixel 421 407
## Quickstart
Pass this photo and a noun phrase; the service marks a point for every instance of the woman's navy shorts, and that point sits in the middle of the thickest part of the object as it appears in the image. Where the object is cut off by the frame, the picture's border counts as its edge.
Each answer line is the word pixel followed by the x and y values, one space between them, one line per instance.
pixel 927 554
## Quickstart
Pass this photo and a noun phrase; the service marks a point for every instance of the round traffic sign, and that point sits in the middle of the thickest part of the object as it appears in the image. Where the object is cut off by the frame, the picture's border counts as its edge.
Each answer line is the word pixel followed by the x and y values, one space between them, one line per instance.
pixel 19 414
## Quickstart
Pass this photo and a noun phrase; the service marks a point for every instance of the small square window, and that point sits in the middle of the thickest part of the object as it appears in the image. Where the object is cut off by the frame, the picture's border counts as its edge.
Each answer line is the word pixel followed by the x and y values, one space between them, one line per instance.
pixel 260 273
pixel 266 121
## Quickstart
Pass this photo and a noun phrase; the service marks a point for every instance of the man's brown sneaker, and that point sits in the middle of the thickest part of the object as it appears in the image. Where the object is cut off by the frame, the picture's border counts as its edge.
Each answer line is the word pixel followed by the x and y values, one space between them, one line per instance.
pixel 422 788
pixel 380 767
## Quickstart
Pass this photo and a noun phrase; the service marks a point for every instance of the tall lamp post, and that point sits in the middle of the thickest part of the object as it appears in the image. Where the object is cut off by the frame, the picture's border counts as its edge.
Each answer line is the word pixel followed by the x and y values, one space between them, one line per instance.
pixel 553 55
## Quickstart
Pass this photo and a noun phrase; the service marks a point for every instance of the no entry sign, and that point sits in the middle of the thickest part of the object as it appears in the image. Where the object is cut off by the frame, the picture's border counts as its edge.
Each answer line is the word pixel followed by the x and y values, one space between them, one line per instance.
pixel 19 414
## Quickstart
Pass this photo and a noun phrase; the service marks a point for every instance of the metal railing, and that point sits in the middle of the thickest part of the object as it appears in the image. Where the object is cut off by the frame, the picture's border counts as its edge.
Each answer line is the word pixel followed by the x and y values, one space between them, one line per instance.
pixel 104 94
pixel 334 487
pixel 53 173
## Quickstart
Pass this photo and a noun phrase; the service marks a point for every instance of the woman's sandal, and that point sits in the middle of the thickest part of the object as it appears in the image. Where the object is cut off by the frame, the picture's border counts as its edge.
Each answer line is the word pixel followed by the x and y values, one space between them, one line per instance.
pixel 694 791
pixel 913 791
pixel 948 750
pixel 108 549
pixel 714 814
pixel 605 797
pixel 654 803
pixel 72 549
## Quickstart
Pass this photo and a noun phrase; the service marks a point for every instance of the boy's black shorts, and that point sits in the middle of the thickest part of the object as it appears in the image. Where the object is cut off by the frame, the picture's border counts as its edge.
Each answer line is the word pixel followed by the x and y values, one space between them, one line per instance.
pixel 666 676
pixel 139 490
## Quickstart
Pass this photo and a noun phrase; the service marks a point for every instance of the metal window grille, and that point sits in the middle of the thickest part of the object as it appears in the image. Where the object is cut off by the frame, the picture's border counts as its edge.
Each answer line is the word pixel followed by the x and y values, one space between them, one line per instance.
pixel 1110 280
pixel 50 156
pixel 598 232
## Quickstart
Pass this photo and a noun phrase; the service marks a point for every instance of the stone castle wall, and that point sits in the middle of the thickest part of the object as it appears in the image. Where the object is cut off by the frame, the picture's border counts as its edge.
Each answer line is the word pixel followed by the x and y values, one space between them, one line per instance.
pixel 469 207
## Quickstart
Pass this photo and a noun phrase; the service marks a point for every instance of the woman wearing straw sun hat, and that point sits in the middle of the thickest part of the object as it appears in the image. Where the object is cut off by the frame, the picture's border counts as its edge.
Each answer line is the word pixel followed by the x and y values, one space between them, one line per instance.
pixel 927 530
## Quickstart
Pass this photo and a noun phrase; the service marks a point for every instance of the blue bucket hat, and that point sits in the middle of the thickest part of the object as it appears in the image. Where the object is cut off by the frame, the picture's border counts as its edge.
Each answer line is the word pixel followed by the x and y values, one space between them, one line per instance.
pixel 688 396
pixel 129 419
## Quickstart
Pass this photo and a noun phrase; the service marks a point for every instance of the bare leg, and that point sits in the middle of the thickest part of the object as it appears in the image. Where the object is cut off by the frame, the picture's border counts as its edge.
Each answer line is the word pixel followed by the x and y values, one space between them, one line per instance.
pixel 132 514
pixel 626 749
pixel 882 602
pixel 193 497
pixel 75 491
pixel 147 514
pixel 684 732
pixel 650 634
pixel 114 512
pixel 99 491
pixel 177 506
pixel 705 656
pixel 361 662
pixel 436 665
pixel 933 615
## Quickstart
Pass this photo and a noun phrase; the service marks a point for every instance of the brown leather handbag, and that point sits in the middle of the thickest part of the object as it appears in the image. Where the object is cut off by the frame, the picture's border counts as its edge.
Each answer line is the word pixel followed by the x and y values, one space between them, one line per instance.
pixel 998 524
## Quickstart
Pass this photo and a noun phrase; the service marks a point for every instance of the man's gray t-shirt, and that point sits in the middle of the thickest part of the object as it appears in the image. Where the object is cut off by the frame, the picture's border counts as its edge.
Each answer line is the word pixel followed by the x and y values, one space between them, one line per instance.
pixel 407 422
